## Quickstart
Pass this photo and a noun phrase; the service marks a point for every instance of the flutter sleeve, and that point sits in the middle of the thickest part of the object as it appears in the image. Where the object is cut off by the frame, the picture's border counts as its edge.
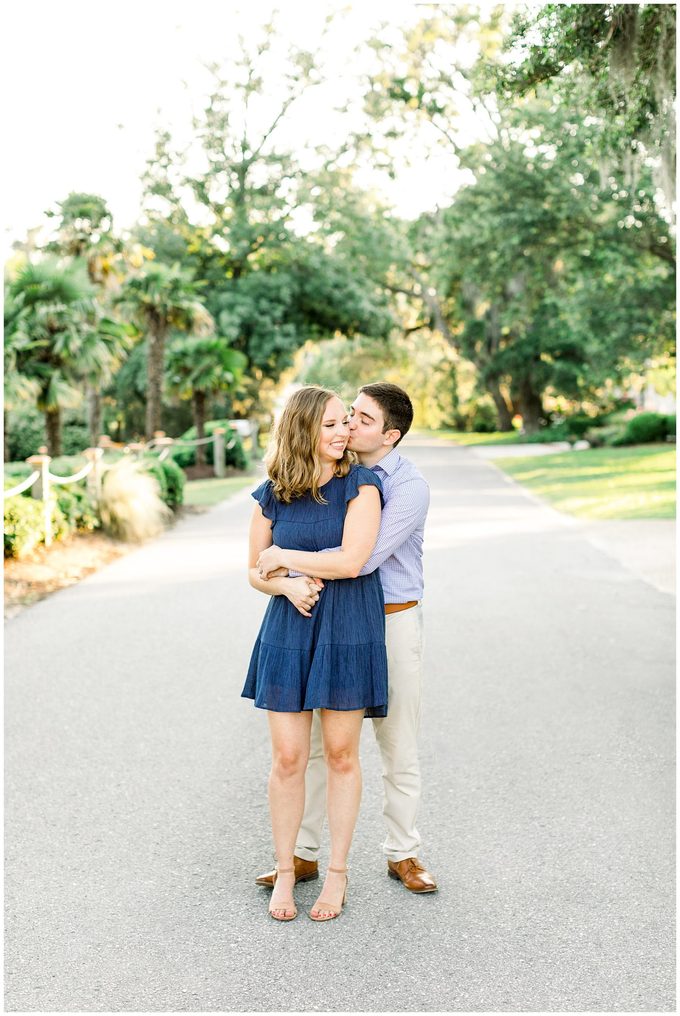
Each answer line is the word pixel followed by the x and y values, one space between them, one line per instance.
pixel 264 495
pixel 360 476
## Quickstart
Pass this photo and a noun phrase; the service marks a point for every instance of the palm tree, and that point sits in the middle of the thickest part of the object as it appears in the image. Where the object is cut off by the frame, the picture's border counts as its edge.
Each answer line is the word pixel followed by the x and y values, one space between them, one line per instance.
pixel 163 299
pixel 51 338
pixel 199 368
pixel 85 231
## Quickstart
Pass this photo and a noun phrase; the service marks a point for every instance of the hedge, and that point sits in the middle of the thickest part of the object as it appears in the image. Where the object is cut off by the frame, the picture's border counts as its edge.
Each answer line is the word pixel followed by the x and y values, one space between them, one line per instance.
pixel 234 456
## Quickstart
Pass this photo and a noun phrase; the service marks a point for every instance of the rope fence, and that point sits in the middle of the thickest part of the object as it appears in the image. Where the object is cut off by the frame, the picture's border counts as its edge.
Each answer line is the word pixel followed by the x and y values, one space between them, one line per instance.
pixel 42 480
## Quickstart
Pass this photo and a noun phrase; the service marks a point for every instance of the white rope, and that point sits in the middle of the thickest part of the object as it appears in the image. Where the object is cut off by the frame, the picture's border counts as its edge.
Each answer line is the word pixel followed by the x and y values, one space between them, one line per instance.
pixel 193 441
pixel 24 485
pixel 71 479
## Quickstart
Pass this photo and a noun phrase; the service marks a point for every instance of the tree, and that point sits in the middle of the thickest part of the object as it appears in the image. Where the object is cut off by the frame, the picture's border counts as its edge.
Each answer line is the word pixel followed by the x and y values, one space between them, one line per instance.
pixel 85 233
pixel 54 337
pixel 162 298
pixel 199 368
pixel 616 62
pixel 498 271
pixel 268 287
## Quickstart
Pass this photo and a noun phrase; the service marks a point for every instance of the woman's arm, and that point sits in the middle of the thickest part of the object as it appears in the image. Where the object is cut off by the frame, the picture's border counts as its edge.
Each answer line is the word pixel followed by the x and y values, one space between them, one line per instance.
pixel 359 534
pixel 303 592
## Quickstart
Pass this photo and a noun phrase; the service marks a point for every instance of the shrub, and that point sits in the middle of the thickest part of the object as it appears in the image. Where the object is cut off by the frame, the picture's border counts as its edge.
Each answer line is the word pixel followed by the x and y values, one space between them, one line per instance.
pixel 175 479
pixel 15 472
pixel 75 437
pixel 67 465
pixel 25 432
pixel 671 426
pixel 154 468
pixel 23 525
pixel 77 507
pixel 644 428
pixel 605 437
pixel 130 507
pixel 170 479
pixel 234 453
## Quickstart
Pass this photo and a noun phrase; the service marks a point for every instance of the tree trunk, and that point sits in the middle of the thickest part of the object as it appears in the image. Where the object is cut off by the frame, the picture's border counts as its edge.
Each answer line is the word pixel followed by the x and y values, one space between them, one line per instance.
pixel 5 432
pixel 529 405
pixel 53 428
pixel 504 411
pixel 94 412
pixel 199 421
pixel 155 365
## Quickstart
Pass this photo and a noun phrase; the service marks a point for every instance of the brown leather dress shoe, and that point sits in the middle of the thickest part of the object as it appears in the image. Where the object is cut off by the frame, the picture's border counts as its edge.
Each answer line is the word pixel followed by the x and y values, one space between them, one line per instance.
pixel 305 871
pixel 412 875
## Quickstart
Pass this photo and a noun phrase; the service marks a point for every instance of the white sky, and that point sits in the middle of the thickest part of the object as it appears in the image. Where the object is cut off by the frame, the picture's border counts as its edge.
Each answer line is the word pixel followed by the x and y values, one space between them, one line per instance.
pixel 85 86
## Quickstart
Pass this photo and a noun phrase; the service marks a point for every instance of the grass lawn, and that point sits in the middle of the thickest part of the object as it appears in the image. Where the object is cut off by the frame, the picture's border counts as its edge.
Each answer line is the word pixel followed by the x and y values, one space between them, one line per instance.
pixel 206 493
pixel 499 437
pixel 602 483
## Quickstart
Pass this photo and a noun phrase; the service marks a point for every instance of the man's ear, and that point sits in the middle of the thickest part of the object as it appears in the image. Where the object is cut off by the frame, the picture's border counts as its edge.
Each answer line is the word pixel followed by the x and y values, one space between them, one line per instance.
pixel 391 436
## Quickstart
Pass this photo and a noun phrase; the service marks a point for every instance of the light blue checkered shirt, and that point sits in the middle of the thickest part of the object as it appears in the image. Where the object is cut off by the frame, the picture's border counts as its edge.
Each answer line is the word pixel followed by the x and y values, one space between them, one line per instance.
pixel 398 552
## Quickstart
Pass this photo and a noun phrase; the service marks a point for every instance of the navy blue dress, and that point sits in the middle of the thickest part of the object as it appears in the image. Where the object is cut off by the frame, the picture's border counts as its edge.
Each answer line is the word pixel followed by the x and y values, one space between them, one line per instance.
pixel 335 659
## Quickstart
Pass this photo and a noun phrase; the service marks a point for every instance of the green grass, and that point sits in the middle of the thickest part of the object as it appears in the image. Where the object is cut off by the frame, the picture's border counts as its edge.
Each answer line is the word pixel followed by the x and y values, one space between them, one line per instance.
pixel 212 490
pixel 458 437
pixel 602 483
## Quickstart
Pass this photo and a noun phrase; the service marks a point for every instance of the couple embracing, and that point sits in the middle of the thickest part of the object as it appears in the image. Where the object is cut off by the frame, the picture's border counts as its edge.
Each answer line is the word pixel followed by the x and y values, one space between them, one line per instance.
pixel 336 541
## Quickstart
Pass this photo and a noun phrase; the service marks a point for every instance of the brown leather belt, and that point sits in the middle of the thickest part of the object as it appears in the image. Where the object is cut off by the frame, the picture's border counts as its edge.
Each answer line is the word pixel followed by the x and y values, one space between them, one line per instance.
pixel 393 608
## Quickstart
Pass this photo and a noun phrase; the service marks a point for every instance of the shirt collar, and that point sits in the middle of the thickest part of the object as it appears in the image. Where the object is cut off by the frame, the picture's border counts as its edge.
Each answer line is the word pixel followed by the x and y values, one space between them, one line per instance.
pixel 389 463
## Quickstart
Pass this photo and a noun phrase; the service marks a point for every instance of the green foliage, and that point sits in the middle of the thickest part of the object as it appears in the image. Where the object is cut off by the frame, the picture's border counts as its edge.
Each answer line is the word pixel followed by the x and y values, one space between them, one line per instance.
pixel 644 428
pixel 23 525
pixel 615 62
pixel 169 477
pixel 77 507
pixel 67 465
pixel 25 432
pixel 235 455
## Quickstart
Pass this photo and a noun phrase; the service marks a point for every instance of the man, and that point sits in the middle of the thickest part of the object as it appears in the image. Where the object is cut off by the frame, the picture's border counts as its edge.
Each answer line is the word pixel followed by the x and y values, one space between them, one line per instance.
pixel 380 417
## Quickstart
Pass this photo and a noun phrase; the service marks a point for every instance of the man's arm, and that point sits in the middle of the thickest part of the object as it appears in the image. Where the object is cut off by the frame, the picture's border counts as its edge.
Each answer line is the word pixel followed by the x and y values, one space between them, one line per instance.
pixel 404 511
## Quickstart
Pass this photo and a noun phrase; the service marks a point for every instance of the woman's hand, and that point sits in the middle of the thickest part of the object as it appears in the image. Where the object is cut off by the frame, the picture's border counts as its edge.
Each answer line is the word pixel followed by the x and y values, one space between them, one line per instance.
pixel 270 560
pixel 303 593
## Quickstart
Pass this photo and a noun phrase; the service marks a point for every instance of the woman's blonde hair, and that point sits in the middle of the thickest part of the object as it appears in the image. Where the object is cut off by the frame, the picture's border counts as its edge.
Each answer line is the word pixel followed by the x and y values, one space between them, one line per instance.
pixel 293 461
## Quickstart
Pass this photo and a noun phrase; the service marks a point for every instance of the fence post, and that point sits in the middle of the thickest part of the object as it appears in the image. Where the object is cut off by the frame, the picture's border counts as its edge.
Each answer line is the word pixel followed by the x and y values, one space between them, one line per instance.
pixel 164 444
pixel 255 438
pixel 218 450
pixel 137 448
pixel 41 491
pixel 94 477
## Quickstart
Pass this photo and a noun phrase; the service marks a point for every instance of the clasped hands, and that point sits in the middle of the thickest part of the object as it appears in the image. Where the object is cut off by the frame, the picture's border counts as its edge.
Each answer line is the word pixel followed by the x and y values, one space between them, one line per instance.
pixel 302 591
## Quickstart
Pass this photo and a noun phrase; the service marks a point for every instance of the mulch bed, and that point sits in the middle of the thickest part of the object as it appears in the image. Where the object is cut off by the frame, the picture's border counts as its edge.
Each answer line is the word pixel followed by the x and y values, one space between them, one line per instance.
pixel 47 569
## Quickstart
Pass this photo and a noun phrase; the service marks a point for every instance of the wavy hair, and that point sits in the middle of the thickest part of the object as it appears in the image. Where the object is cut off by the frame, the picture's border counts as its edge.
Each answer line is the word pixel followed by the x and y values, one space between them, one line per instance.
pixel 293 461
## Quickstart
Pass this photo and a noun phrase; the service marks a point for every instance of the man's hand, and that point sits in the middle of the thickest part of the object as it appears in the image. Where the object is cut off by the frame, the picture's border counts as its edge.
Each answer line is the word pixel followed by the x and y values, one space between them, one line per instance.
pixel 269 561
pixel 303 593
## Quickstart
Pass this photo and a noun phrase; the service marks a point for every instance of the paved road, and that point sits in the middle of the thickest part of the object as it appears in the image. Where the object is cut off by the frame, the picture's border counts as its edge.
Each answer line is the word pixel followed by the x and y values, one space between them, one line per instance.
pixel 136 812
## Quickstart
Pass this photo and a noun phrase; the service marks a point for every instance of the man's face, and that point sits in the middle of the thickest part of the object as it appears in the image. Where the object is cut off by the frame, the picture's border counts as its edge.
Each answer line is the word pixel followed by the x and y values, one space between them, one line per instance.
pixel 366 423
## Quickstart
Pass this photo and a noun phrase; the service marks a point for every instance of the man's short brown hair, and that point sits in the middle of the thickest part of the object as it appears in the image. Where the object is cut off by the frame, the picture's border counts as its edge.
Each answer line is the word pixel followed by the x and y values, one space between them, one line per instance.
pixel 395 404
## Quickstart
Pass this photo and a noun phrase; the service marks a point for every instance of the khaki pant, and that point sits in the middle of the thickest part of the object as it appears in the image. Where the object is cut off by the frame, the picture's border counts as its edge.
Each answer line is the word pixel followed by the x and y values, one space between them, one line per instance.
pixel 397 737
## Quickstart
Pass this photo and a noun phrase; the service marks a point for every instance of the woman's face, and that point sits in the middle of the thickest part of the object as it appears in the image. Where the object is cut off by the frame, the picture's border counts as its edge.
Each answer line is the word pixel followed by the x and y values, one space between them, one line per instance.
pixel 334 432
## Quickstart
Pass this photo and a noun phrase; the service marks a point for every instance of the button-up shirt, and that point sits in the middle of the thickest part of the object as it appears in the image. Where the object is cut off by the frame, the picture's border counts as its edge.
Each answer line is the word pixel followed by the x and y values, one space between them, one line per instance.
pixel 398 551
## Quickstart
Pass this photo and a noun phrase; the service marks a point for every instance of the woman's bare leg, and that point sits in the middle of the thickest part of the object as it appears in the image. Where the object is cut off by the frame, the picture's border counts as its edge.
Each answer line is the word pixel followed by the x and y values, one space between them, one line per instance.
pixel 341 734
pixel 290 751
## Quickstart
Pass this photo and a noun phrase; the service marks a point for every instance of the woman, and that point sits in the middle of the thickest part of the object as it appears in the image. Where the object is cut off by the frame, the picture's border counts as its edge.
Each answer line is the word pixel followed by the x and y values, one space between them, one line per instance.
pixel 331 658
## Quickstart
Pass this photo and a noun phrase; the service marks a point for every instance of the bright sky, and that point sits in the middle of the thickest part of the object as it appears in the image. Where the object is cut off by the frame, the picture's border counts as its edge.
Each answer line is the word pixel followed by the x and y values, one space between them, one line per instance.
pixel 85 86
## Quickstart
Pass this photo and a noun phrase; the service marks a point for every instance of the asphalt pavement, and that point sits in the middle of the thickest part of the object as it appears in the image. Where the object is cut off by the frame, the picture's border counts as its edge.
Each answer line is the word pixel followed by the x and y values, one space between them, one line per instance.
pixel 136 814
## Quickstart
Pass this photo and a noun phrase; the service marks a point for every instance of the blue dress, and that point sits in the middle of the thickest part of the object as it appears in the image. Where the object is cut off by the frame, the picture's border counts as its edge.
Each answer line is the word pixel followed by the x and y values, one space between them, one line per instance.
pixel 335 659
